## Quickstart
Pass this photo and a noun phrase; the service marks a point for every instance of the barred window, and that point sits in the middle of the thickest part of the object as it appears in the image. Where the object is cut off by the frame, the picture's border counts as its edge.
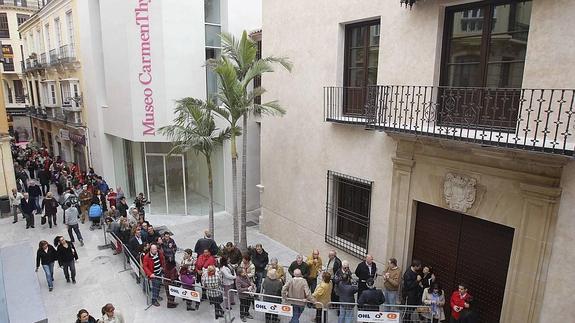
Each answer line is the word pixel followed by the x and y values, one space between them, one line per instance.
pixel 347 213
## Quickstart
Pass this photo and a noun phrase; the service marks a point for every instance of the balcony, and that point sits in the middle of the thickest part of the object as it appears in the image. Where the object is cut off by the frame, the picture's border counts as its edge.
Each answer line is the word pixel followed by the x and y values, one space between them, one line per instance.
pixel 33 4
pixel 8 67
pixel 67 53
pixel 539 120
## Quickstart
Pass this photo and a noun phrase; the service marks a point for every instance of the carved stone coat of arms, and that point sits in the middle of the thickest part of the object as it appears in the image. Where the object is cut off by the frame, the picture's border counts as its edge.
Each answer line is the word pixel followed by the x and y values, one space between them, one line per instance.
pixel 459 191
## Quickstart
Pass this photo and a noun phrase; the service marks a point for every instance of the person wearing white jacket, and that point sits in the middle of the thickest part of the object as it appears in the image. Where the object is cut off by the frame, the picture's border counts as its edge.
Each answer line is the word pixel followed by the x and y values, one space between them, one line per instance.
pixel 228 279
pixel 15 199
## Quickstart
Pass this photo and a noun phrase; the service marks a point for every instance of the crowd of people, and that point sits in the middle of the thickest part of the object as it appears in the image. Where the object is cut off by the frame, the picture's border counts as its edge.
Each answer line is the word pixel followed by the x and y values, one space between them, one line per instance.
pixel 253 274
pixel 217 269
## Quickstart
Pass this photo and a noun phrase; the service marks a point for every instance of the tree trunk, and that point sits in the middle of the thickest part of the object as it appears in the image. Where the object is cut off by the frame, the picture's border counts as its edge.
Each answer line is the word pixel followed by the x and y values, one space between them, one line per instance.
pixel 235 214
pixel 211 189
pixel 243 233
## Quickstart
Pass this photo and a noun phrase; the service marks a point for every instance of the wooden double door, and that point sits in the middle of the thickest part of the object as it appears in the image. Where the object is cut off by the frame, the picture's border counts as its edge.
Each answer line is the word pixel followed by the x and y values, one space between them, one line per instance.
pixel 462 248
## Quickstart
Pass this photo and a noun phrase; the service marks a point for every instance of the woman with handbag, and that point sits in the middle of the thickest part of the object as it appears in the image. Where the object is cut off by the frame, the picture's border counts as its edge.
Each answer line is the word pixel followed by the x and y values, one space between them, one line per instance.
pixel 434 298
pixel 50 206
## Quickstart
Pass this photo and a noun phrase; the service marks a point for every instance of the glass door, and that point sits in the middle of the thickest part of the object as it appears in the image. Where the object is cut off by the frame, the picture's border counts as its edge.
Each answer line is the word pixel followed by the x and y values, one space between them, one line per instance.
pixel 166 183
pixel 156 184
pixel 176 189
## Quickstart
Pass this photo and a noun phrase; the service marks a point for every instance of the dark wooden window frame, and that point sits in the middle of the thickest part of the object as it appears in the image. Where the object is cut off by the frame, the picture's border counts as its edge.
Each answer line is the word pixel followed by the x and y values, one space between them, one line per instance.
pixel 347 57
pixel 334 213
pixel 486 33
pixel 512 95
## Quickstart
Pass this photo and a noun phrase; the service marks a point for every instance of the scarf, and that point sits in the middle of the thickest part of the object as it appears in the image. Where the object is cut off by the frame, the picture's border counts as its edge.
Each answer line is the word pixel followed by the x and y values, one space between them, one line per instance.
pixel 434 304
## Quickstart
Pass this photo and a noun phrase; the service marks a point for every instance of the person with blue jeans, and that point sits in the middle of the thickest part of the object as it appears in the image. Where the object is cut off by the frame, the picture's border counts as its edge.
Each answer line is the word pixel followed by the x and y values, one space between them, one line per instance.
pixel 46 255
pixel 346 291
pixel 71 221
pixel 154 264
pixel 391 281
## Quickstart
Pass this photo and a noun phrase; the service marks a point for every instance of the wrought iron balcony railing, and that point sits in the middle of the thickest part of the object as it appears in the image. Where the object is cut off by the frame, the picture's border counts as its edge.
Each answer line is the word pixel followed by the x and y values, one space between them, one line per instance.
pixel 528 119
pixel 67 53
pixel 34 4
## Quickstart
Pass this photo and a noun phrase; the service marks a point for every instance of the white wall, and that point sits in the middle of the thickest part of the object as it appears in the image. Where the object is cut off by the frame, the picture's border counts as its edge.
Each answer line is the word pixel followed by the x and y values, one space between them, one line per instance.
pixel 88 23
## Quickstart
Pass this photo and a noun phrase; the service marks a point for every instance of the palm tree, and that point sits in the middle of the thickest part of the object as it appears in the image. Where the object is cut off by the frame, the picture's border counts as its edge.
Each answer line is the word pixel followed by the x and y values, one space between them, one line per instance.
pixel 236 69
pixel 194 129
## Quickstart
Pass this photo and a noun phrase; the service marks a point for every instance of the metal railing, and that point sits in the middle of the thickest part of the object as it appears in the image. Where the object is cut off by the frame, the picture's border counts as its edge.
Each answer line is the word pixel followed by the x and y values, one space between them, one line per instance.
pixel 527 119
pixel 8 67
pixel 67 53
pixel 21 3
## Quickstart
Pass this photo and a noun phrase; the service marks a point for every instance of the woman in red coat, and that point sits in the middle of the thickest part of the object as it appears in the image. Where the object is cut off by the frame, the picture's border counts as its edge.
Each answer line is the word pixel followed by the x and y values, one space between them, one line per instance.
pixel 460 305
pixel 204 260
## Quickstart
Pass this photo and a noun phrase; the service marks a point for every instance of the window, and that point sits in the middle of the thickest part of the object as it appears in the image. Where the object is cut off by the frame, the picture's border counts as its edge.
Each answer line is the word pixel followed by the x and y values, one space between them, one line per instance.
pixel 213 29
pixel 70 27
pixel 38 93
pixel 70 91
pixel 212 11
pixel 49 91
pixel 21 18
pixel 484 47
pixel 58 31
pixel 47 34
pixel 19 91
pixel 52 94
pixel 8 58
pixel 4 30
pixel 31 92
pixel 347 213
pixel 258 79
pixel 361 58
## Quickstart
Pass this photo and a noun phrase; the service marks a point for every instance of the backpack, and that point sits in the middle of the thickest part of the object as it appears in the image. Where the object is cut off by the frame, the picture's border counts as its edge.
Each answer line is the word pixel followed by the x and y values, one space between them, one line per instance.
pixel 95 211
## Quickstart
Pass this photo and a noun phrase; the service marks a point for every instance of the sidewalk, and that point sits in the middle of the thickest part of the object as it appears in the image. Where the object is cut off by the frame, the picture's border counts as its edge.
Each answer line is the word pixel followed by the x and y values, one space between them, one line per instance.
pixel 98 271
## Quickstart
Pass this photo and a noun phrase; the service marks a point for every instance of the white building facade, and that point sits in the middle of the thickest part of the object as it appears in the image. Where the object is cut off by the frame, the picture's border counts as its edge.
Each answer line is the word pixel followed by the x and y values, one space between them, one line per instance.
pixel 154 53
pixel 467 161
pixel 12 14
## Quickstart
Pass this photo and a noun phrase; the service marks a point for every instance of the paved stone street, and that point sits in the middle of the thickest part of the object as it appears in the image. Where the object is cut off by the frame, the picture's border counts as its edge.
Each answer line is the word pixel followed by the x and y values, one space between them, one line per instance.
pixel 100 277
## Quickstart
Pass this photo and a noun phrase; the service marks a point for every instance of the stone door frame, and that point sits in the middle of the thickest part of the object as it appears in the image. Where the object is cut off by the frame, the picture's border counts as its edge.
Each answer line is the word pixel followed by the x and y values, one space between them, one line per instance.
pixel 533 220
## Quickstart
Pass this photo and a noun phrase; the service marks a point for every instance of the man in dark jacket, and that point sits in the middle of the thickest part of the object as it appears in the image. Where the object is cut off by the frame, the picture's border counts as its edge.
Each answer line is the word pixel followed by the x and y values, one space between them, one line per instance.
pixel 136 245
pixel 28 208
pixel 411 288
pixel 233 254
pixel 364 271
pixel 35 193
pixel 301 265
pixel 333 266
pixel 371 298
pixel 44 176
pixel 260 260
pixel 123 207
pixel 206 243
